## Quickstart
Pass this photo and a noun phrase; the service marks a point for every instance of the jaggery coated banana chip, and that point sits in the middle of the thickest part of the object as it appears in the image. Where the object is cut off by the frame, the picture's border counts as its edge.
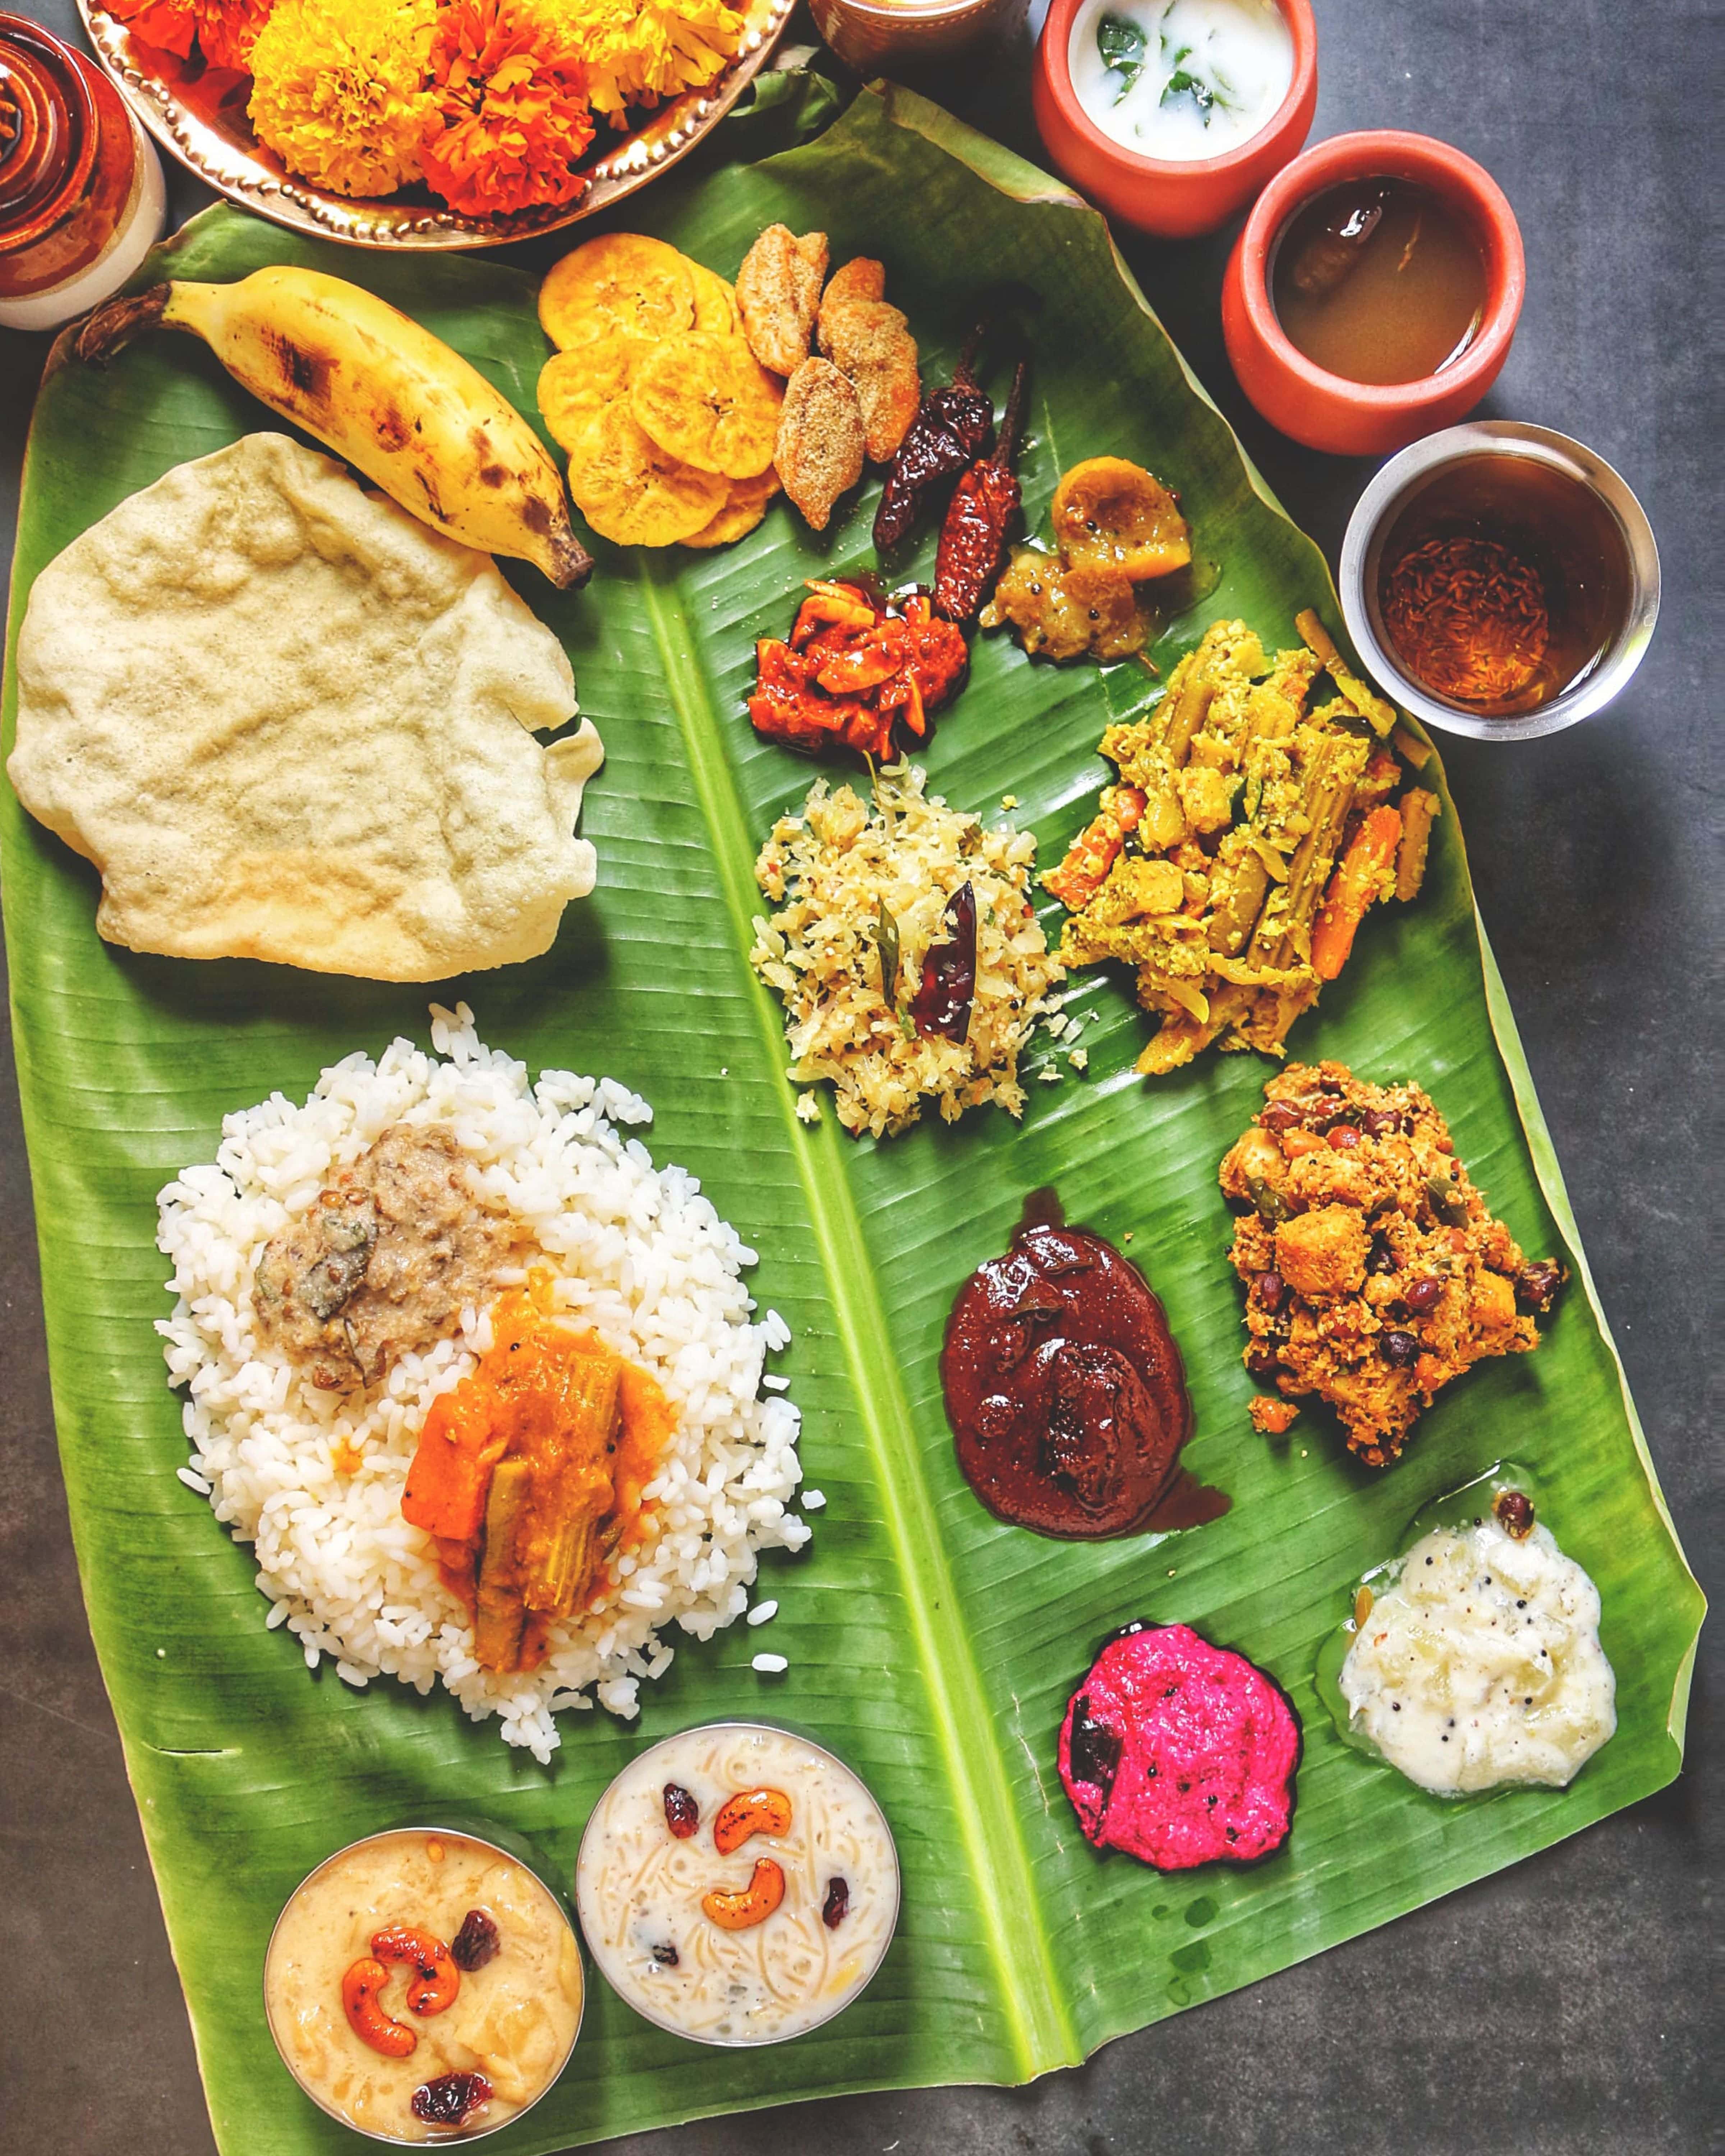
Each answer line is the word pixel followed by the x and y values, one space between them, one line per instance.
pixel 821 439
pixel 621 282
pixel 708 401
pixel 871 342
pixel 634 493
pixel 862 278
pixel 779 294
pixel 743 510
pixel 716 308
pixel 577 385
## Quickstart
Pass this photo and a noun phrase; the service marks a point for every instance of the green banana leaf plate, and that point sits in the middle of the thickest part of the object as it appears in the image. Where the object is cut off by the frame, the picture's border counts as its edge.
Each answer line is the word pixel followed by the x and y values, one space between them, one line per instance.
pixel 930 1646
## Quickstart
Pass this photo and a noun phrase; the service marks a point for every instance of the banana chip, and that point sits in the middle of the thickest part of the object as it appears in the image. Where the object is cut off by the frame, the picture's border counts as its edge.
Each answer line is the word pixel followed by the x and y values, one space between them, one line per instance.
pixel 716 308
pixel 620 283
pixel 577 385
pixel 634 493
pixel 707 400
pixel 743 510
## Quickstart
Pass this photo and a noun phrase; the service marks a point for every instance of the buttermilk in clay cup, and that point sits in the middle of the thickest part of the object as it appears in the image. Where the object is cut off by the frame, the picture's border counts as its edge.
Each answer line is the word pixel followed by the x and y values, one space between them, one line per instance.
pixel 1172 199
pixel 1326 411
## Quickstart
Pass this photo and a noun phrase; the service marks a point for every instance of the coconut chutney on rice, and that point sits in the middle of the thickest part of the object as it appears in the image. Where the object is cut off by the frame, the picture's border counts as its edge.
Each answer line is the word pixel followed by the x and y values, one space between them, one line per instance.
pixel 626 1271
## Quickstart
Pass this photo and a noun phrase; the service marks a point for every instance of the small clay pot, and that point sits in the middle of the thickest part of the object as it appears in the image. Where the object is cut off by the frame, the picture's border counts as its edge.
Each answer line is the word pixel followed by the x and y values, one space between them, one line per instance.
pixel 903 36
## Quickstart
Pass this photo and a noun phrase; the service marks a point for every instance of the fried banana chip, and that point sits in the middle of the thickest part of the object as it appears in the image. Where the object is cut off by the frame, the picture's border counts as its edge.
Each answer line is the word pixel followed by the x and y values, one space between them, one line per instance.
pixel 779 294
pixel 577 385
pixel 742 513
pixel 708 401
pixel 634 493
pixel 620 282
pixel 821 439
pixel 715 300
pixel 871 342
pixel 862 278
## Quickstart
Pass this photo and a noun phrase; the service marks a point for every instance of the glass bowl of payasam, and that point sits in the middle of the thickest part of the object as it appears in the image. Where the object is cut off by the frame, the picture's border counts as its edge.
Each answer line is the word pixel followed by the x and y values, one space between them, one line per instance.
pixel 423 1985
pixel 1374 293
pixel 1500 580
pixel 737 1883
pixel 1172 114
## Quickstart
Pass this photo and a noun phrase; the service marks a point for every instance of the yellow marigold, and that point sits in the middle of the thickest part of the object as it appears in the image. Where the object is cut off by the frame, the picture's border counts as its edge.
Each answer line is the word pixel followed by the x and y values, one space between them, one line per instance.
pixel 640 51
pixel 510 115
pixel 340 91
pixel 224 30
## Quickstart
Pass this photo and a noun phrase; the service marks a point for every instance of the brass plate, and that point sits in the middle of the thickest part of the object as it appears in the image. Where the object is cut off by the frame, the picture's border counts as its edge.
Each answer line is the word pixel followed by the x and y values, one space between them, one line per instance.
pixel 199 114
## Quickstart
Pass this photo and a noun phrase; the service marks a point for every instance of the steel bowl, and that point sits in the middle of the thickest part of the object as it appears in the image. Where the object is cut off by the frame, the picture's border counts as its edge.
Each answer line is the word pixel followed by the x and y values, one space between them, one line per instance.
pixel 198 113
pixel 1415 468
pixel 500 1843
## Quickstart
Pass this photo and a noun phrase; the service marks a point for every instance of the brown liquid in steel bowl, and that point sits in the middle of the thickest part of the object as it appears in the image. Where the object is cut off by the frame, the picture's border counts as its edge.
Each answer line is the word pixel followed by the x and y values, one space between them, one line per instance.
pixel 1501 583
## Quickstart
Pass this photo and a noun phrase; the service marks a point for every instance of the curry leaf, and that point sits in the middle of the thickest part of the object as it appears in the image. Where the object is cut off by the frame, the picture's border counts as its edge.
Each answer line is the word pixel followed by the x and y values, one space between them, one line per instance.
pixel 1123 45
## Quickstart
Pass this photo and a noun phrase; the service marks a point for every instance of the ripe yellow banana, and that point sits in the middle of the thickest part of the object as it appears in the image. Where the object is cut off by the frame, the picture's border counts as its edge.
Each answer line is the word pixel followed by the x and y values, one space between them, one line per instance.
pixel 374 386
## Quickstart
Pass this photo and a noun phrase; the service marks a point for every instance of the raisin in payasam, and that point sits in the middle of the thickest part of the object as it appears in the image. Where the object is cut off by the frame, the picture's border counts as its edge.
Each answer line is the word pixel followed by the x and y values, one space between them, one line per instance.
pixel 1374 1273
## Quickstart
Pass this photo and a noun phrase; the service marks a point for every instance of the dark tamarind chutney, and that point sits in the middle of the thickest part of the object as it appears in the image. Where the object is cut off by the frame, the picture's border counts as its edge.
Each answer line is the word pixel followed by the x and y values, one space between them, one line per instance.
pixel 1066 1391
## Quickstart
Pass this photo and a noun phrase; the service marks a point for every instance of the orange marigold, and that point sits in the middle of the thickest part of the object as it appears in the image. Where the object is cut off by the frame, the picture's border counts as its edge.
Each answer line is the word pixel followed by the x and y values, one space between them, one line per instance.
pixel 224 30
pixel 511 115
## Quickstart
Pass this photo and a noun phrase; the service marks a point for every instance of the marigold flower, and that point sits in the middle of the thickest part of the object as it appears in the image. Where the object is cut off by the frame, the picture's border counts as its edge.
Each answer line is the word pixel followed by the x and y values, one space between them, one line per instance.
pixel 509 111
pixel 224 31
pixel 640 51
pixel 341 90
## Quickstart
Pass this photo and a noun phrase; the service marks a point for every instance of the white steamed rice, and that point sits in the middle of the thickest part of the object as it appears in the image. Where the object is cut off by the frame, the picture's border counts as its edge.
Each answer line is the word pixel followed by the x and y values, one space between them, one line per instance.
pixel 636 1252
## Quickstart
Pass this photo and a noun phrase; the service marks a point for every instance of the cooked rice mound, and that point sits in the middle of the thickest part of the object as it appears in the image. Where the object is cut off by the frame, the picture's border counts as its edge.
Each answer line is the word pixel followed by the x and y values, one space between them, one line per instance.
pixel 313 1478
pixel 834 867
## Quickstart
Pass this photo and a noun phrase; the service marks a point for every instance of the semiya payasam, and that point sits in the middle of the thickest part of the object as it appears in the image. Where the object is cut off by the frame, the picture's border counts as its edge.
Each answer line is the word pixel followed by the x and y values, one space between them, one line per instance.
pixel 1065 1390
pixel 1474 1660
pixel 1375 1274
pixel 1250 830
pixel 906 951
pixel 737 1883
pixel 287 721
pixel 1501 583
pixel 1378 281
pixel 625 1485
pixel 1179 1753
pixel 529 1474
pixel 422 1985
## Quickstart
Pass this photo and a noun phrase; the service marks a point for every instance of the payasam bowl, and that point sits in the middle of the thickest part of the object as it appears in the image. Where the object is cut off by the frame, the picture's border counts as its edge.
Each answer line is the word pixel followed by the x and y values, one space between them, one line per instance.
pixel 199 114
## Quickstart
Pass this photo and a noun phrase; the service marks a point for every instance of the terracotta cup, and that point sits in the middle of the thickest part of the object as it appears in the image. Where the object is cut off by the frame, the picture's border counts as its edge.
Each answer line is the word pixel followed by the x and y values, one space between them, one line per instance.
pixel 1326 411
pixel 905 35
pixel 1176 201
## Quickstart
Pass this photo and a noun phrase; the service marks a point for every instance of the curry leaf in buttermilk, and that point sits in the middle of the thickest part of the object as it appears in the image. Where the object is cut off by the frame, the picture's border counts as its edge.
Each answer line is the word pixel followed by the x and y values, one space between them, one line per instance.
pixel 930 1646
pixel 1123 47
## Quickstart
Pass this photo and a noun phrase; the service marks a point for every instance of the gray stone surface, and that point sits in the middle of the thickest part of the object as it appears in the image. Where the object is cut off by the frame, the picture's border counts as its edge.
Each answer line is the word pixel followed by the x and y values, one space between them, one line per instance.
pixel 1570 2005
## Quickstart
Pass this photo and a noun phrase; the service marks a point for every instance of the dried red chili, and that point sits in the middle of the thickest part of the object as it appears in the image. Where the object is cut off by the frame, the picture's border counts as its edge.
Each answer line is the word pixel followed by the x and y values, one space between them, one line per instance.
pixel 950 431
pixel 979 521
pixel 941 1007
pixel 856 671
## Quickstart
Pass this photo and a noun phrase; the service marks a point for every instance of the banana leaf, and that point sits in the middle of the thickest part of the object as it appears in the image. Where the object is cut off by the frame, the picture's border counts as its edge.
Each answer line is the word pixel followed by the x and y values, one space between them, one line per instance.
pixel 932 1646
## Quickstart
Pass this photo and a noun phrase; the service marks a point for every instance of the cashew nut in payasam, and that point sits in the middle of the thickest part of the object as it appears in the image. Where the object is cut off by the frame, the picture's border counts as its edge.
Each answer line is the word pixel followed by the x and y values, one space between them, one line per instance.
pixel 362 1986
pixel 750 1811
pixel 753 1905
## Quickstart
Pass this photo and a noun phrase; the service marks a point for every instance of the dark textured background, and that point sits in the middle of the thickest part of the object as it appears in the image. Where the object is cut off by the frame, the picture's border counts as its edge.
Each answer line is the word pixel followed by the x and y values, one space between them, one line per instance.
pixel 1568 2005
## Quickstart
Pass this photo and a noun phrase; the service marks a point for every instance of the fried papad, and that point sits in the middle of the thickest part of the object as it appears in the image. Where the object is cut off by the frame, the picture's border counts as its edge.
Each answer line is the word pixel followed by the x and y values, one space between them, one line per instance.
pixel 634 493
pixel 819 455
pixel 708 401
pixel 871 342
pixel 576 385
pixel 744 508
pixel 621 282
pixel 779 294
pixel 287 721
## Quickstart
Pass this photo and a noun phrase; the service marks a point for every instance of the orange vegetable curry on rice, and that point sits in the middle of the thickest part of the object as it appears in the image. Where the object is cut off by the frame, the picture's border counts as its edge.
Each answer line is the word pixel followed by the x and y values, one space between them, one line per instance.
pixel 529 1474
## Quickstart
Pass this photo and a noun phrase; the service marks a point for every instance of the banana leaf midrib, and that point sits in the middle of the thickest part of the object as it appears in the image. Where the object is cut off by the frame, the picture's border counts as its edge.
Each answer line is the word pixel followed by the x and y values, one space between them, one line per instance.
pixel 1041 2034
